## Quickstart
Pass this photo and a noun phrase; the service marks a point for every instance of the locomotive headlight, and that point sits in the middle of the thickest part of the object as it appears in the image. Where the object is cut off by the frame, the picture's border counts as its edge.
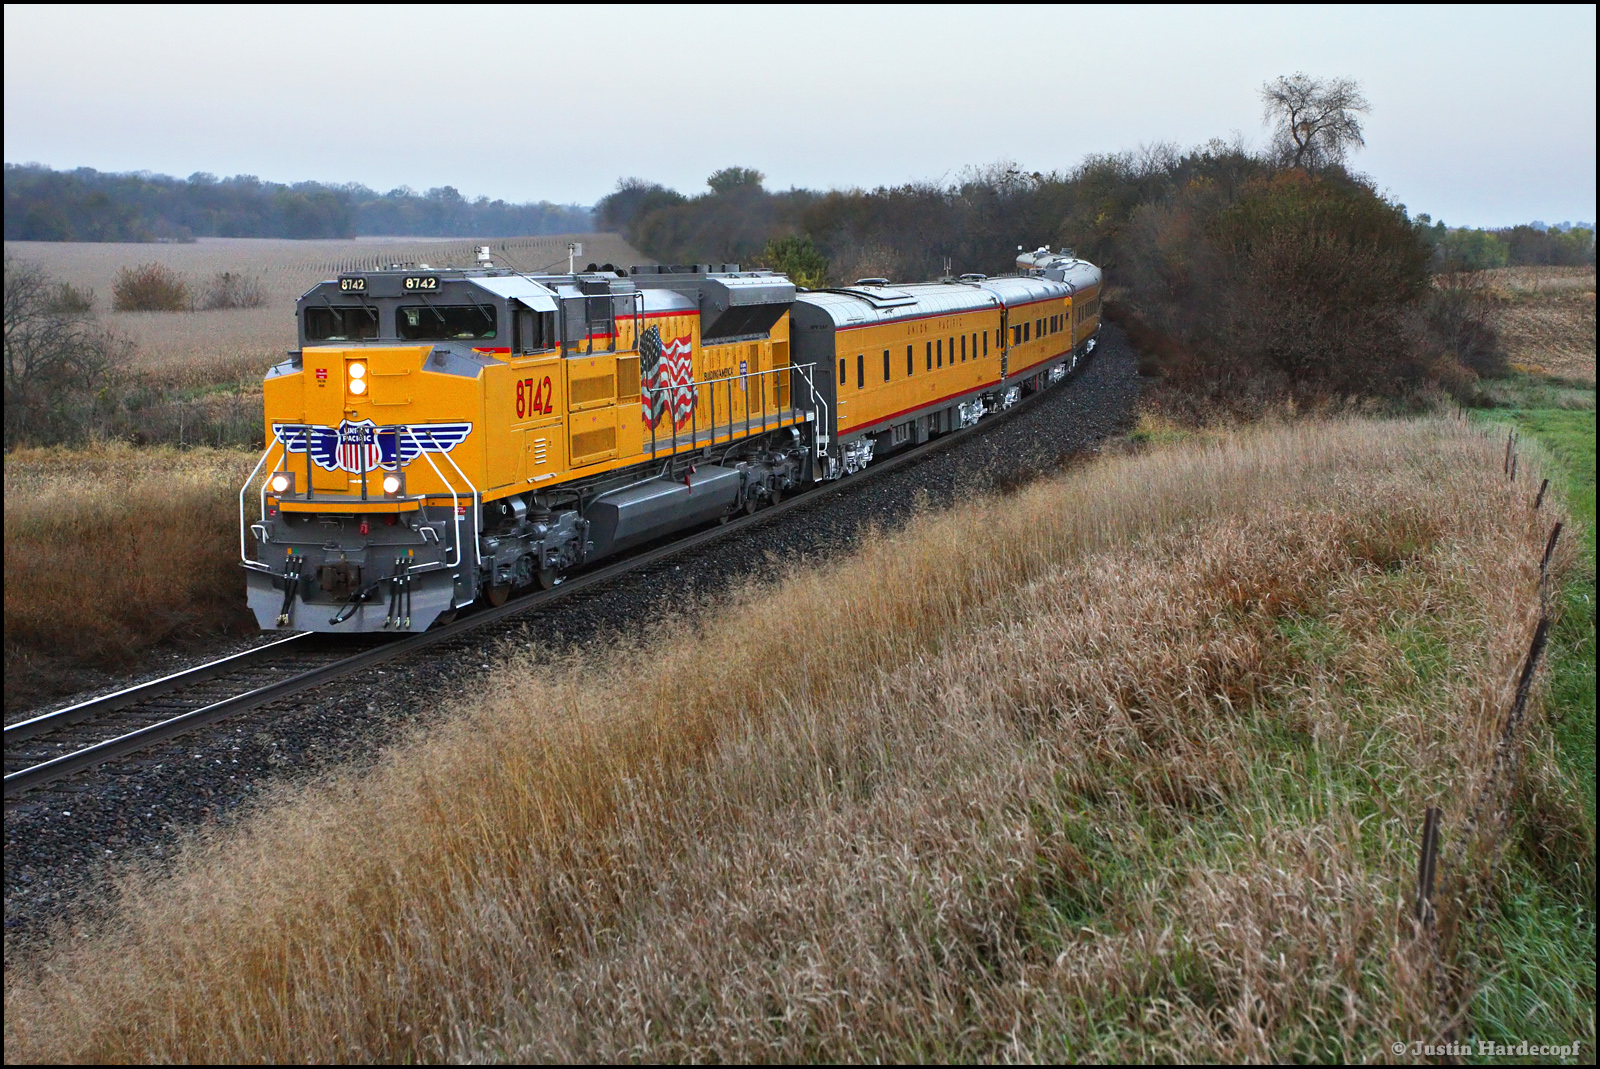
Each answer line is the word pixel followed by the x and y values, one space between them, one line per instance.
pixel 357 386
pixel 281 482
pixel 394 484
pixel 358 371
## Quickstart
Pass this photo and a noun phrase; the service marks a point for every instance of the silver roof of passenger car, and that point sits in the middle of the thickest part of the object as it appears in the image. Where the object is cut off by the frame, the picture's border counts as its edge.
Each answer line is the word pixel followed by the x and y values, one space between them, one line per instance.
pixel 1060 266
pixel 860 306
pixel 1014 291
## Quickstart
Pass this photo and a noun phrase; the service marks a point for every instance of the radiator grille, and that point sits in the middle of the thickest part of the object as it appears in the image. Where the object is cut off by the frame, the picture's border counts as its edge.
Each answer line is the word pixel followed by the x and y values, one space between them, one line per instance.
pixel 627 377
pixel 587 444
pixel 586 391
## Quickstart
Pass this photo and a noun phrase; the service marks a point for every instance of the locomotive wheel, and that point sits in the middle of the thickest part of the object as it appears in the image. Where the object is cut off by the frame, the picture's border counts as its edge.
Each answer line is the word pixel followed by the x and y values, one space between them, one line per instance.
pixel 498 594
pixel 751 503
pixel 777 496
pixel 546 578
pixel 445 618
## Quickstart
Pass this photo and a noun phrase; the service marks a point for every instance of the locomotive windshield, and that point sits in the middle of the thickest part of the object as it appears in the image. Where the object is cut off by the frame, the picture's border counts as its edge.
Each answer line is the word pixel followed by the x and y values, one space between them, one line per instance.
pixel 341 324
pixel 440 322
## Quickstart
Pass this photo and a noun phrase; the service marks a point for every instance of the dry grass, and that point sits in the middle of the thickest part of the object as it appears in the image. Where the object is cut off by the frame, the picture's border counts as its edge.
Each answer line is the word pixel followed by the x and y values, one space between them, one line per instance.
pixel 111 550
pixel 246 341
pixel 1077 774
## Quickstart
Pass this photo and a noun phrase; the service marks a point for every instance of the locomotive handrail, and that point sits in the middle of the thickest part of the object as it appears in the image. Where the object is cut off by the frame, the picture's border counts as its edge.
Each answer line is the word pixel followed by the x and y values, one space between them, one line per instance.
pixel 455 504
pixel 477 504
pixel 696 385
pixel 808 370
pixel 248 563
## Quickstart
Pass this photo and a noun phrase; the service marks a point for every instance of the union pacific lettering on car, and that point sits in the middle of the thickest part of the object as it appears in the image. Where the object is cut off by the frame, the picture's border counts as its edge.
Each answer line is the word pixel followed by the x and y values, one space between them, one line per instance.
pixel 444 436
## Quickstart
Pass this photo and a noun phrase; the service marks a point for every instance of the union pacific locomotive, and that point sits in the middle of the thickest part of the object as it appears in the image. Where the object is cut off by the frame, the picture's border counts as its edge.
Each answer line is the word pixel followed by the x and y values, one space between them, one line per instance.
pixel 449 435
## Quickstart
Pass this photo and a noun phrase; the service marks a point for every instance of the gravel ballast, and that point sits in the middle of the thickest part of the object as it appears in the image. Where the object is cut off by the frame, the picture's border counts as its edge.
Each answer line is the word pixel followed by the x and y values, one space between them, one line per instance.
pixel 63 845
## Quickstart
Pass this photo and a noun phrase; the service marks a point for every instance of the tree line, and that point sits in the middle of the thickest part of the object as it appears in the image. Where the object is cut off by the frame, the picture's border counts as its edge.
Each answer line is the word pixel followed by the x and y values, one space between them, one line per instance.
pixel 1244 275
pixel 42 204
pixel 1534 244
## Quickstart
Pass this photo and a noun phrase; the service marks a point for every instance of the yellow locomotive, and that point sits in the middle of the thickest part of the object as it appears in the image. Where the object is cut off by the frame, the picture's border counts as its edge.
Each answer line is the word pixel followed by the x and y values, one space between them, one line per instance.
pixel 448 435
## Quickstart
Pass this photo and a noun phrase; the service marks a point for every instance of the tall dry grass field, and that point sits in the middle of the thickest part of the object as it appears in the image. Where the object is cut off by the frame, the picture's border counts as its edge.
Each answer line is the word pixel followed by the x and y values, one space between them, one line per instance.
pixel 111 550
pixel 225 345
pixel 1127 765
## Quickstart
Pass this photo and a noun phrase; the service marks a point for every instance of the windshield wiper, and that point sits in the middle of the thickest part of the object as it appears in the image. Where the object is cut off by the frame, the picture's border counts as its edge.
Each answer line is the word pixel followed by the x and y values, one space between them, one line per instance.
pixel 436 313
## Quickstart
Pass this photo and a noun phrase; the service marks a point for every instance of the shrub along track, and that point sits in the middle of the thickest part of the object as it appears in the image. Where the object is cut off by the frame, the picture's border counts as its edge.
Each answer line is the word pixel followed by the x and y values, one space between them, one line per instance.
pixel 63 842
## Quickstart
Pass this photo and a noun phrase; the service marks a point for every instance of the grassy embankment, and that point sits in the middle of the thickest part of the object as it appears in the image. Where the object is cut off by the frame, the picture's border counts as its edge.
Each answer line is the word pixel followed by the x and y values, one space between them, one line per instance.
pixel 1081 773
pixel 1546 925
pixel 112 550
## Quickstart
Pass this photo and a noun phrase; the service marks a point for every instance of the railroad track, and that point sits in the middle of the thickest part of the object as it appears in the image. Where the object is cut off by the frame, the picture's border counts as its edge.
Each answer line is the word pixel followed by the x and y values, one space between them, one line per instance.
pixel 58 744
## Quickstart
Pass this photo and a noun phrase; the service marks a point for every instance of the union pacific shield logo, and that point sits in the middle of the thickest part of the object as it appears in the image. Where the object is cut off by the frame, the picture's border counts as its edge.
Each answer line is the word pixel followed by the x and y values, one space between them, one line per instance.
pixel 363 446
pixel 358 447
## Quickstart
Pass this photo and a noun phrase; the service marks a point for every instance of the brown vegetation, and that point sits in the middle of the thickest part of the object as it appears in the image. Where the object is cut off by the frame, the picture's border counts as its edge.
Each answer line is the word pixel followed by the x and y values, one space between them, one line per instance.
pixel 150 287
pixel 229 289
pixel 111 550
pixel 1080 774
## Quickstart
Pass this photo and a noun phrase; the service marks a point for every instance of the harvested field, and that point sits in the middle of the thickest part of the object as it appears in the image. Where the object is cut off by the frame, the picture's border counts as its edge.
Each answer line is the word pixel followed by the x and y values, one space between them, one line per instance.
pixel 1547 319
pixel 222 346
pixel 1077 773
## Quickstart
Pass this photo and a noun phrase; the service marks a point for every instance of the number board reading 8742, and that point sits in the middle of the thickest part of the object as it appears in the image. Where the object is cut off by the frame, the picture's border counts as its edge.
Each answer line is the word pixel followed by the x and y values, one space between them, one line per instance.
pixel 535 398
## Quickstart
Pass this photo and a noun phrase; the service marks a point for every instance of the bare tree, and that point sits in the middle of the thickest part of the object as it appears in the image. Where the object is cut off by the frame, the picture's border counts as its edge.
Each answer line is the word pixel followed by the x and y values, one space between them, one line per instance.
pixel 1315 121
pixel 56 356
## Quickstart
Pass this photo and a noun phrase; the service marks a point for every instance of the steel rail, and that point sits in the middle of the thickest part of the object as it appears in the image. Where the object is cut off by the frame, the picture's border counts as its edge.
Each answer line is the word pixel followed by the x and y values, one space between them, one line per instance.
pixel 110 703
pixel 38 775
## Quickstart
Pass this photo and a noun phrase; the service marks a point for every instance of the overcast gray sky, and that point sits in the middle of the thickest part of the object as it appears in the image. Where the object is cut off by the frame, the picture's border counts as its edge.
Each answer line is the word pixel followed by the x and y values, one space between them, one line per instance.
pixel 1482 115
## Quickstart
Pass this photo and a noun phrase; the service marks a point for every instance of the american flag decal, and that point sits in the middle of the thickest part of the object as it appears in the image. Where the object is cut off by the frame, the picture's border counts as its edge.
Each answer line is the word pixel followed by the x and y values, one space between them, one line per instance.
pixel 662 367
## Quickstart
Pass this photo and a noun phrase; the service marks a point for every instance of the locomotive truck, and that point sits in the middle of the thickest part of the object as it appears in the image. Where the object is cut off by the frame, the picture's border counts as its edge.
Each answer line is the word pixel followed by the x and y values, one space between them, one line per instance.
pixel 445 436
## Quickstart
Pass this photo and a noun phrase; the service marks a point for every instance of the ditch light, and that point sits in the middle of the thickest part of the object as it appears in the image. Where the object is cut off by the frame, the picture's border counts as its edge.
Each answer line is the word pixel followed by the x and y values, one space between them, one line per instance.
pixel 281 482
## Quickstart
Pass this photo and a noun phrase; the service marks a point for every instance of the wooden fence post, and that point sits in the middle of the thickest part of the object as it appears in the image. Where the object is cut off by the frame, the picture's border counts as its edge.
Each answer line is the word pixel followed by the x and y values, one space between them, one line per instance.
pixel 1549 550
pixel 1427 866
